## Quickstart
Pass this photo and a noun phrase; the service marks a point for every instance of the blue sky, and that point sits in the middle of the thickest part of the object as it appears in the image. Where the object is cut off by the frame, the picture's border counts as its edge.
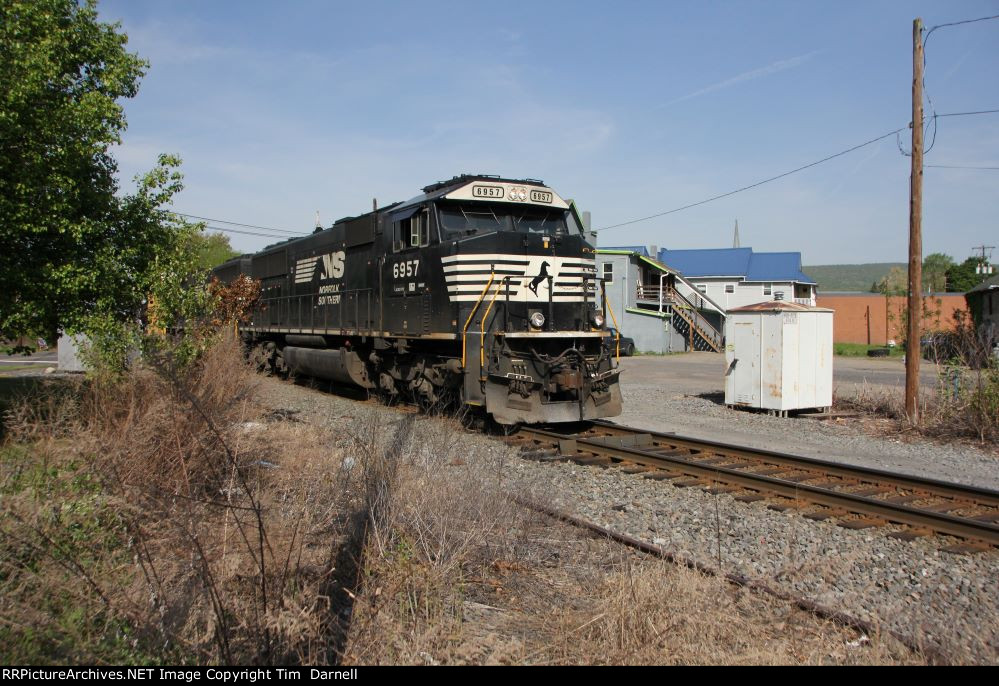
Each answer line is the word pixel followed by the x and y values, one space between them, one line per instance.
pixel 631 108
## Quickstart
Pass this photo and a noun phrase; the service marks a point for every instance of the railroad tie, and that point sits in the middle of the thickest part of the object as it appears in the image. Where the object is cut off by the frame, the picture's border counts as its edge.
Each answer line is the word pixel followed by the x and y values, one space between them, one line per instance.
pixel 910 534
pixel 662 475
pixel 861 523
pixel 966 548
pixel 824 514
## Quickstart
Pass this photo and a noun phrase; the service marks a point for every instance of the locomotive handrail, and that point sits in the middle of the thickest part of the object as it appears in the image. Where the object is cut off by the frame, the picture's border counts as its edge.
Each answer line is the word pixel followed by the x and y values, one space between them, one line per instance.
pixel 471 314
pixel 295 312
pixel 617 328
pixel 482 333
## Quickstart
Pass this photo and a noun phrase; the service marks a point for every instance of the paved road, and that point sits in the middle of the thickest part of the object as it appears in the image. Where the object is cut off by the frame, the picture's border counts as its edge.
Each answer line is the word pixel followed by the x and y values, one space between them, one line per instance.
pixel 42 359
pixel 692 372
pixel 698 372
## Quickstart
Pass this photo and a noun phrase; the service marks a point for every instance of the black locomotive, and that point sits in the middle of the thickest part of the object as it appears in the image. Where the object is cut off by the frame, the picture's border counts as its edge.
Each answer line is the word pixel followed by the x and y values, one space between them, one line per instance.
pixel 481 291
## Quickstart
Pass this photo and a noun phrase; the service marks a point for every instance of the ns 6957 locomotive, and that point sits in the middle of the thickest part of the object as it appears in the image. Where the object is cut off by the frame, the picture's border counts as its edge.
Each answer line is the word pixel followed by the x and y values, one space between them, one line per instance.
pixel 481 291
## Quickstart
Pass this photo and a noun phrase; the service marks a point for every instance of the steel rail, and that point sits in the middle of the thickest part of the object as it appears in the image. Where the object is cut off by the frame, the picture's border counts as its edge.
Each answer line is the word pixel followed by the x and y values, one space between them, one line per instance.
pixel 940 522
pixel 980 496
pixel 933 653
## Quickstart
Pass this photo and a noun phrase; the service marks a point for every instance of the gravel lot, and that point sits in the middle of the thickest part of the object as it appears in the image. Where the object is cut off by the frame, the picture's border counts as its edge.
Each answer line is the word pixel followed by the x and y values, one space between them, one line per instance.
pixel 684 394
pixel 944 600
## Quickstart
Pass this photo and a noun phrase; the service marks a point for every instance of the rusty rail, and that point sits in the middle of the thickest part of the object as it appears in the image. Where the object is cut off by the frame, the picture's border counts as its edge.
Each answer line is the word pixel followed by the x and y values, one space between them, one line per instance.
pixel 787 475
pixel 931 653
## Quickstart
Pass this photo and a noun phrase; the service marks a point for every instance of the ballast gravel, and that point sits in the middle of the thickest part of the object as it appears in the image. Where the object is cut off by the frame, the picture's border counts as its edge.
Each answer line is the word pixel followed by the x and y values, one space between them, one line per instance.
pixel 703 416
pixel 943 600
pixel 947 602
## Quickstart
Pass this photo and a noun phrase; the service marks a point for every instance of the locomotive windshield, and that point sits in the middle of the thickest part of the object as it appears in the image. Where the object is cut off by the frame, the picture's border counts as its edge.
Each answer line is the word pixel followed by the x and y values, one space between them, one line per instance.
pixel 467 218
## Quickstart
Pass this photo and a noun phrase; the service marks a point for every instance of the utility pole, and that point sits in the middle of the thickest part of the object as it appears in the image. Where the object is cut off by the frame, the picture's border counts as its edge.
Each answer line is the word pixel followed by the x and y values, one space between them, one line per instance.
pixel 913 350
pixel 985 263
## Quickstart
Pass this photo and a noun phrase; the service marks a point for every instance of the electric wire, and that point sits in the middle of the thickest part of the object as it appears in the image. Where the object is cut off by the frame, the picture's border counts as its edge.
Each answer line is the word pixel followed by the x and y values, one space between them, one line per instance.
pixel 232 223
pixel 286 233
pixel 955 23
pixel 958 166
pixel 754 185
pixel 225 229
pixel 966 114
pixel 926 92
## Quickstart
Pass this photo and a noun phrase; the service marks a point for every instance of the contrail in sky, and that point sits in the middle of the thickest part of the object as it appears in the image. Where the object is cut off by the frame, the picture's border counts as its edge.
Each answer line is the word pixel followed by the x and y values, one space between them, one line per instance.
pixel 778 66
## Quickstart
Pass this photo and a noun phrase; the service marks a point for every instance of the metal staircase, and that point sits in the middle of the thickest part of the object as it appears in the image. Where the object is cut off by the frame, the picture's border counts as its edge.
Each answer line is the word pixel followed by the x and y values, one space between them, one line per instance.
pixel 685 317
pixel 690 323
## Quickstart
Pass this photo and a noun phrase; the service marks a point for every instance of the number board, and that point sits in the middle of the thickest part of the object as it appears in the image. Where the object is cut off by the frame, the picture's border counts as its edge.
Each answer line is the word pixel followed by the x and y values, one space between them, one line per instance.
pixel 487 191
pixel 541 196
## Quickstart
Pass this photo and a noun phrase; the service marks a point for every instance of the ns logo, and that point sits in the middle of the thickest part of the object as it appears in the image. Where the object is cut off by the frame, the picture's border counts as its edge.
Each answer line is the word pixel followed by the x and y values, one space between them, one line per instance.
pixel 332 265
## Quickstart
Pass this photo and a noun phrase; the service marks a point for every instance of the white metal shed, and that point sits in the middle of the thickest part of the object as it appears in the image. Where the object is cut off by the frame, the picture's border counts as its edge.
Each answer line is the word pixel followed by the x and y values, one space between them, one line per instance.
pixel 779 356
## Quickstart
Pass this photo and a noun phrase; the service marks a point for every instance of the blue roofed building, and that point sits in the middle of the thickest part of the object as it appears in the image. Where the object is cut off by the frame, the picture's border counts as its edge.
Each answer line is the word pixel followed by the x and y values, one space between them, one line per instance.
pixel 671 300
pixel 736 277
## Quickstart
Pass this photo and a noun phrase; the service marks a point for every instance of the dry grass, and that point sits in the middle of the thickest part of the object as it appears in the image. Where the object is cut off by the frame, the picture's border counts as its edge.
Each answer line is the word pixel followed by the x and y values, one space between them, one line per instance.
pixel 154 519
pixel 652 612
pixel 437 524
pixel 965 402
pixel 168 518
pixel 964 406
pixel 455 573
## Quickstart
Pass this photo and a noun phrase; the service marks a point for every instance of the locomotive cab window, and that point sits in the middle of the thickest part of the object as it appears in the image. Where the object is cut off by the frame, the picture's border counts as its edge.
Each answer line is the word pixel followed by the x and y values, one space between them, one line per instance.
pixel 412 232
pixel 461 219
pixel 539 221
pixel 458 220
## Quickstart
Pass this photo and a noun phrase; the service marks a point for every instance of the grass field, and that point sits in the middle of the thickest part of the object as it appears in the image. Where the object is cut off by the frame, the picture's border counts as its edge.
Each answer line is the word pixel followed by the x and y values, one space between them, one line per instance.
pixel 860 349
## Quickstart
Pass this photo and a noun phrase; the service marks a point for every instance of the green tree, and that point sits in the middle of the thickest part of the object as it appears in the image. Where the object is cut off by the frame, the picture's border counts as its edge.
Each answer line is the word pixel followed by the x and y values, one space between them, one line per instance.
pixel 73 247
pixel 213 249
pixel 935 266
pixel 963 277
pixel 896 282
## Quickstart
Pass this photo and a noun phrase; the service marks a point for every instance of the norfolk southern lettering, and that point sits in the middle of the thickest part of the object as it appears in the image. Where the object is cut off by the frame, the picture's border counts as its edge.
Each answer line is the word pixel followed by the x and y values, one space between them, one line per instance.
pixel 479 292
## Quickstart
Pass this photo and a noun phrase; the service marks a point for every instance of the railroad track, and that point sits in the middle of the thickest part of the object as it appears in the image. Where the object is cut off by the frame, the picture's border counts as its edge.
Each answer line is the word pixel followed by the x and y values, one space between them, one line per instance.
pixel 853 497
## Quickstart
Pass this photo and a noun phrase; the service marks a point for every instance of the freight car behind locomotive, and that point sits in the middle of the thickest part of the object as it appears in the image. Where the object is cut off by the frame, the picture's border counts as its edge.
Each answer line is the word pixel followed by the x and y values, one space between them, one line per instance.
pixel 480 291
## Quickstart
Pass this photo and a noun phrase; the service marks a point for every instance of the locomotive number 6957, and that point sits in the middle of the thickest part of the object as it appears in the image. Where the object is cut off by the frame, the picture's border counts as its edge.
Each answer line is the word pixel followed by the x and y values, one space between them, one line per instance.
pixel 405 269
pixel 498 312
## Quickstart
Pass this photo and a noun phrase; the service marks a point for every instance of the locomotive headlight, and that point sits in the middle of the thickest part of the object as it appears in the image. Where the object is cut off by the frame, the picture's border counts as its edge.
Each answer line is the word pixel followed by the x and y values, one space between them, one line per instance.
pixel 598 320
pixel 537 320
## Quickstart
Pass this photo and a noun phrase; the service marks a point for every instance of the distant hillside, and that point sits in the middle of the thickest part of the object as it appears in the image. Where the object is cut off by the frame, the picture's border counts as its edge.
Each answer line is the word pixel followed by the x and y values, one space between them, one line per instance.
pixel 849 277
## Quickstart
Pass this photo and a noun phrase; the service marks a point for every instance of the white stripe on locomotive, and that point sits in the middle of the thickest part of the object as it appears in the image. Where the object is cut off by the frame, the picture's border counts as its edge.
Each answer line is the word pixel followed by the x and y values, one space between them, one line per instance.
pixel 467 275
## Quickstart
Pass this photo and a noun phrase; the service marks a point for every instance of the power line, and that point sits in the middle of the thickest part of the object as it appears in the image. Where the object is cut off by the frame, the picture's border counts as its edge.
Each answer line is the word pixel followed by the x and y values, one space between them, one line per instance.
pixel 965 114
pixel 754 185
pixel 953 166
pixel 955 23
pixel 247 233
pixel 232 223
pixel 933 118
pixel 923 78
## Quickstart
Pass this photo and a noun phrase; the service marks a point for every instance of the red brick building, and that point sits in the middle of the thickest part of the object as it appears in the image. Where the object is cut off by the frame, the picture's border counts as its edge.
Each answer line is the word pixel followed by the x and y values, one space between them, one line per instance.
pixel 874 319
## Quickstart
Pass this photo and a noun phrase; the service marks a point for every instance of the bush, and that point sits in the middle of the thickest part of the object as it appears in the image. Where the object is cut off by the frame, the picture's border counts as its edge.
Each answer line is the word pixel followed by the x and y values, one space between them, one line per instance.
pixel 965 402
pixel 149 517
